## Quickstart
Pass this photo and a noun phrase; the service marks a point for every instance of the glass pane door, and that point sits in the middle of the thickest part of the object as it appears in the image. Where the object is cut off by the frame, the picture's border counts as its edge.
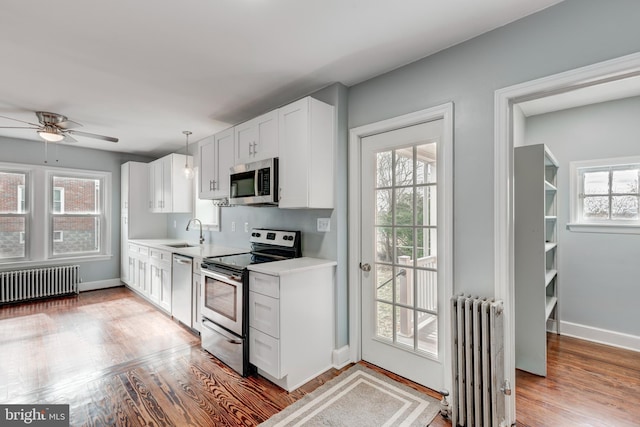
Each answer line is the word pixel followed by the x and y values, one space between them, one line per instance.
pixel 405 230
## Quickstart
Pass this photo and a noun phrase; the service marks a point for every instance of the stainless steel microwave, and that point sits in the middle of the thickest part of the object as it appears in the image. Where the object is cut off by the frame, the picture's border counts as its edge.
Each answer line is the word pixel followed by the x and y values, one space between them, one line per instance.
pixel 254 183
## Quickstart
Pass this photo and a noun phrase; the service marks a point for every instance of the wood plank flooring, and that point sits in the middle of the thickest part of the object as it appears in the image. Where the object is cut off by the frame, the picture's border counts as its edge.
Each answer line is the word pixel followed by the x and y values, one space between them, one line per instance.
pixel 117 360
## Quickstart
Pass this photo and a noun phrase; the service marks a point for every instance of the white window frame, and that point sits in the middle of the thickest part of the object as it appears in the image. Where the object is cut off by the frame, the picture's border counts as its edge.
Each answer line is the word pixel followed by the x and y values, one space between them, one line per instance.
pixel 23 193
pixel 60 237
pixel 38 230
pixel 21 199
pixel 579 224
pixel 104 214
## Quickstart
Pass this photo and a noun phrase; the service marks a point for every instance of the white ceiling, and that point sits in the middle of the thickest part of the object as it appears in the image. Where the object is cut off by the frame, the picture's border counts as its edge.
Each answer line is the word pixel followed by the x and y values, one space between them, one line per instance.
pixel 144 71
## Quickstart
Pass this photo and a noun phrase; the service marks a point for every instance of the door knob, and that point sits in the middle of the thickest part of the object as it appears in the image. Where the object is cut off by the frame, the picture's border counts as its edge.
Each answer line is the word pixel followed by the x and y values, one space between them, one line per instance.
pixel 365 267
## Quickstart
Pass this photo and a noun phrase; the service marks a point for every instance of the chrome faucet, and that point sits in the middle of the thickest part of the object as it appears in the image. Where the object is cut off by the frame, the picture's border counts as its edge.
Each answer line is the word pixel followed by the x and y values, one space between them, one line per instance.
pixel 199 222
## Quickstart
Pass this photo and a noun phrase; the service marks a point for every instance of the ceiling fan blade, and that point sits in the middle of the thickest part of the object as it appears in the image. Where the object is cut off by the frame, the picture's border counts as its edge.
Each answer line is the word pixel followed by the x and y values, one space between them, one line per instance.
pixel 69 138
pixel 92 135
pixel 21 121
pixel 18 127
pixel 68 124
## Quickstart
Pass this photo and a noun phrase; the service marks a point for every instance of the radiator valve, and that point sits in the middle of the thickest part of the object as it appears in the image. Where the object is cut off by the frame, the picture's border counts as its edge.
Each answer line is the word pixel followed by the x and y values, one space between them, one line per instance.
pixel 506 388
pixel 445 408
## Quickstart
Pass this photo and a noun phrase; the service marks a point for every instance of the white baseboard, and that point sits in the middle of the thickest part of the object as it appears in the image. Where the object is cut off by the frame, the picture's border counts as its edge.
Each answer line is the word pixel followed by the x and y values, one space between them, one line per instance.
pixel 602 336
pixel 99 284
pixel 340 357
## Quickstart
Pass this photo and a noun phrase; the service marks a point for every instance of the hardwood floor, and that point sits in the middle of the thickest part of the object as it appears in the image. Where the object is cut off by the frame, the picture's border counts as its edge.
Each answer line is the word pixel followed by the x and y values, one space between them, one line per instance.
pixel 587 384
pixel 118 361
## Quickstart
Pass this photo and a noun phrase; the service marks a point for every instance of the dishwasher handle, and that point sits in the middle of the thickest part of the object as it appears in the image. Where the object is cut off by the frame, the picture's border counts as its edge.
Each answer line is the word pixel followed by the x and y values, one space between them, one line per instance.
pixel 184 260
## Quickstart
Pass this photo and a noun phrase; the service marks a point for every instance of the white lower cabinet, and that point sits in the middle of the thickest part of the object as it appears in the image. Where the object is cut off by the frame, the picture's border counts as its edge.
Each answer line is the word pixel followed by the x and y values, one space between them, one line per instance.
pixel 160 278
pixel 150 274
pixel 264 351
pixel 291 320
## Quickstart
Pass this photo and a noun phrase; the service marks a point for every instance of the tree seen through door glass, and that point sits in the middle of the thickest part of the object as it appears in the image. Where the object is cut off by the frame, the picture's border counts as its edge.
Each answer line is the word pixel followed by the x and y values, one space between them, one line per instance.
pixel 406 247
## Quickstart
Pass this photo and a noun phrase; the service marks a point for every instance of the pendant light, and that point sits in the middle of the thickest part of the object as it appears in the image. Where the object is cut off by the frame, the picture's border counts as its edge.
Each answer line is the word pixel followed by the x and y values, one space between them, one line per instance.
pixel 188 171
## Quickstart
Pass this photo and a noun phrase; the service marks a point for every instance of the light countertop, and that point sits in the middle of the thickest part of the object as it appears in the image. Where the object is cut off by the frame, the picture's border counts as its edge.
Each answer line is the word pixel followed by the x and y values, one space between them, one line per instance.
pixel 295 265
pixel 195 251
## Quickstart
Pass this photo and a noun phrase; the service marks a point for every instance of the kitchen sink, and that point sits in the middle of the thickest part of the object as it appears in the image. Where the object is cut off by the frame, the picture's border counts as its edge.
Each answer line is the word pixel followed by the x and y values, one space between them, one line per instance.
pixel 181 245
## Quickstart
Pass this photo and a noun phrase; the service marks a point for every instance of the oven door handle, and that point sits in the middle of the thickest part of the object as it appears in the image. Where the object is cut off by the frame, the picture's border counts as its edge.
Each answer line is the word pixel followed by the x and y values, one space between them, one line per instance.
pixel 221 277
pixel 229 338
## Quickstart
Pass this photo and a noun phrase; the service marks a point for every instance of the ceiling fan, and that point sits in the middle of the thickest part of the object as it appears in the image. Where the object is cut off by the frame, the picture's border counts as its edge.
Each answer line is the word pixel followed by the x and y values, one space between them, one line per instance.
pixel 56 127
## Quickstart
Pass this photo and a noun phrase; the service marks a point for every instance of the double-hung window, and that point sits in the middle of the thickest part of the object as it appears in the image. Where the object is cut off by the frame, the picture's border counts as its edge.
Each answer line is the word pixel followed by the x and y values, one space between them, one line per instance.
pixel 50 214
pixel 606 195
pixel 76 214
pixel 14 215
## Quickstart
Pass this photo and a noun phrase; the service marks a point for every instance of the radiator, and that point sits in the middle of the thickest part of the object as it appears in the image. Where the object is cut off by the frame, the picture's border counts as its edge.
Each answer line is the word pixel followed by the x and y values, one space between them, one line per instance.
pixel 478 363
pixel 23 285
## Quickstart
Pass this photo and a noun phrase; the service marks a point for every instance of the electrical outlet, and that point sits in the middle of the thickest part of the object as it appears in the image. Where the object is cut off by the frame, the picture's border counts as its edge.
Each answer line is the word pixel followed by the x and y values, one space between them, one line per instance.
pixel 233 226
pixel 246 227
pixel 324 225
pixel 175 223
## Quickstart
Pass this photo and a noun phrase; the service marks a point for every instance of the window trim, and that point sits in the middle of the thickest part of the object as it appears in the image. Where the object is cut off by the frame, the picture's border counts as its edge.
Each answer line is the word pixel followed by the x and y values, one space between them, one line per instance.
pixel 38 226
pixel 577 224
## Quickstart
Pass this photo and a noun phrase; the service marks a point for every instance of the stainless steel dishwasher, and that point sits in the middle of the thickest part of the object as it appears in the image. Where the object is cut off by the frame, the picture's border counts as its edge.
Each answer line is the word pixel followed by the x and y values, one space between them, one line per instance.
pixel 181 290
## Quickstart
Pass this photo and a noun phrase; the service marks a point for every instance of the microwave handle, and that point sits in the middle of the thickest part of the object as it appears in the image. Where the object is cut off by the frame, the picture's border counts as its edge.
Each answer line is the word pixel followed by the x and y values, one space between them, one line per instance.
pixel 256 182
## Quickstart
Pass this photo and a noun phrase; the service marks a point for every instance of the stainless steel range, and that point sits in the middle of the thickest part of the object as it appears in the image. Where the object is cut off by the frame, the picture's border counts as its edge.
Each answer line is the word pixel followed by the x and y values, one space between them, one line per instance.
pixel 225 294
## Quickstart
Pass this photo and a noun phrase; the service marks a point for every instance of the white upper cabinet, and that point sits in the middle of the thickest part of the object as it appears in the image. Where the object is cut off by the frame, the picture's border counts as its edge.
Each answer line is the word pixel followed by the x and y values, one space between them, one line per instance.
pixel 208 173
pixel 169 189
pixel 257 139
pixel 307 139
pixel 216 158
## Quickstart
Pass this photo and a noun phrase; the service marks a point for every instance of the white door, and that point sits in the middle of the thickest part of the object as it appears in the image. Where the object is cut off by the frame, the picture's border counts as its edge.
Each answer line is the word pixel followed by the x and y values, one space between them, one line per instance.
pixel 402 297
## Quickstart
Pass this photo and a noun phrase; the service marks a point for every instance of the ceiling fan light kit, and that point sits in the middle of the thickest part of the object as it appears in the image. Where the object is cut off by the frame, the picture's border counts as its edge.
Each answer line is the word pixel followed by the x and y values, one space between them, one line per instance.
pixel 49 134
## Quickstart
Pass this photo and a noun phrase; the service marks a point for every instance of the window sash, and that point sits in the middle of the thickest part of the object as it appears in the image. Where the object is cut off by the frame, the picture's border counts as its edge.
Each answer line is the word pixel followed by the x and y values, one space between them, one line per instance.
pixel 583 195
pixel 87 240
pixel 17 208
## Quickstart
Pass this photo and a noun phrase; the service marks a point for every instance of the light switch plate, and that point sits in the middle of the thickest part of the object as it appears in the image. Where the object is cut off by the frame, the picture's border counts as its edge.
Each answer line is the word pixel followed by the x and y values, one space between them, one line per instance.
pixel 324 225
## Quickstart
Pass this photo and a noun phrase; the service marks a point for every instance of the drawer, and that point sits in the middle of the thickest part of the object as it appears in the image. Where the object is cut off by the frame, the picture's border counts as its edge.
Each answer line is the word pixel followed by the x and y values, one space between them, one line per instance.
pixel 264 284
pixel 133 249
pixel 264 352
pixel 143 250
pixel 264 314
pixel 161 255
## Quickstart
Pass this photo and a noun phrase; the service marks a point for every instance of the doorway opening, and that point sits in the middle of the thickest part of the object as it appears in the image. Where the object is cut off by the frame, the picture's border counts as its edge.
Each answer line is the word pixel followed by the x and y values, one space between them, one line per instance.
pixel 508 125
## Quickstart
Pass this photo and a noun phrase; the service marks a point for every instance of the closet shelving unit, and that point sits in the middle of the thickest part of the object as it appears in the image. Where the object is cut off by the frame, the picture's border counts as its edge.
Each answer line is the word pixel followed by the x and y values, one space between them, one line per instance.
pixel 536 247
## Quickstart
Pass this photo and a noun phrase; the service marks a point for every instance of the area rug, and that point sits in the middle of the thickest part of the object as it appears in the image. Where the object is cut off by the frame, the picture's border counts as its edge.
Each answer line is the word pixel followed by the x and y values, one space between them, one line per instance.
pixel 359 397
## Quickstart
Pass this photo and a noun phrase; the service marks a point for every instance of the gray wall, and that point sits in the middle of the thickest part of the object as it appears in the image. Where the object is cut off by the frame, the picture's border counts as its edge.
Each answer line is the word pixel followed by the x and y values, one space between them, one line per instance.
pixel 69 156
pixel 598 273
pixel 569 35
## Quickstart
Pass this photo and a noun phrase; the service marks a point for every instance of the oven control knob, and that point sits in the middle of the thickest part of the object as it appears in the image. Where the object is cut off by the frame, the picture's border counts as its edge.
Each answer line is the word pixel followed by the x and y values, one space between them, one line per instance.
pixel 256 234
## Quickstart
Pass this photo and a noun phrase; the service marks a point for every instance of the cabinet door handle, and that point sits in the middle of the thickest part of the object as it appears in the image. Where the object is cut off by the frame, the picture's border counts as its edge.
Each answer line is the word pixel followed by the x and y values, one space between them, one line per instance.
pixel 249 148
pixel 211 183
pixel 254 148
